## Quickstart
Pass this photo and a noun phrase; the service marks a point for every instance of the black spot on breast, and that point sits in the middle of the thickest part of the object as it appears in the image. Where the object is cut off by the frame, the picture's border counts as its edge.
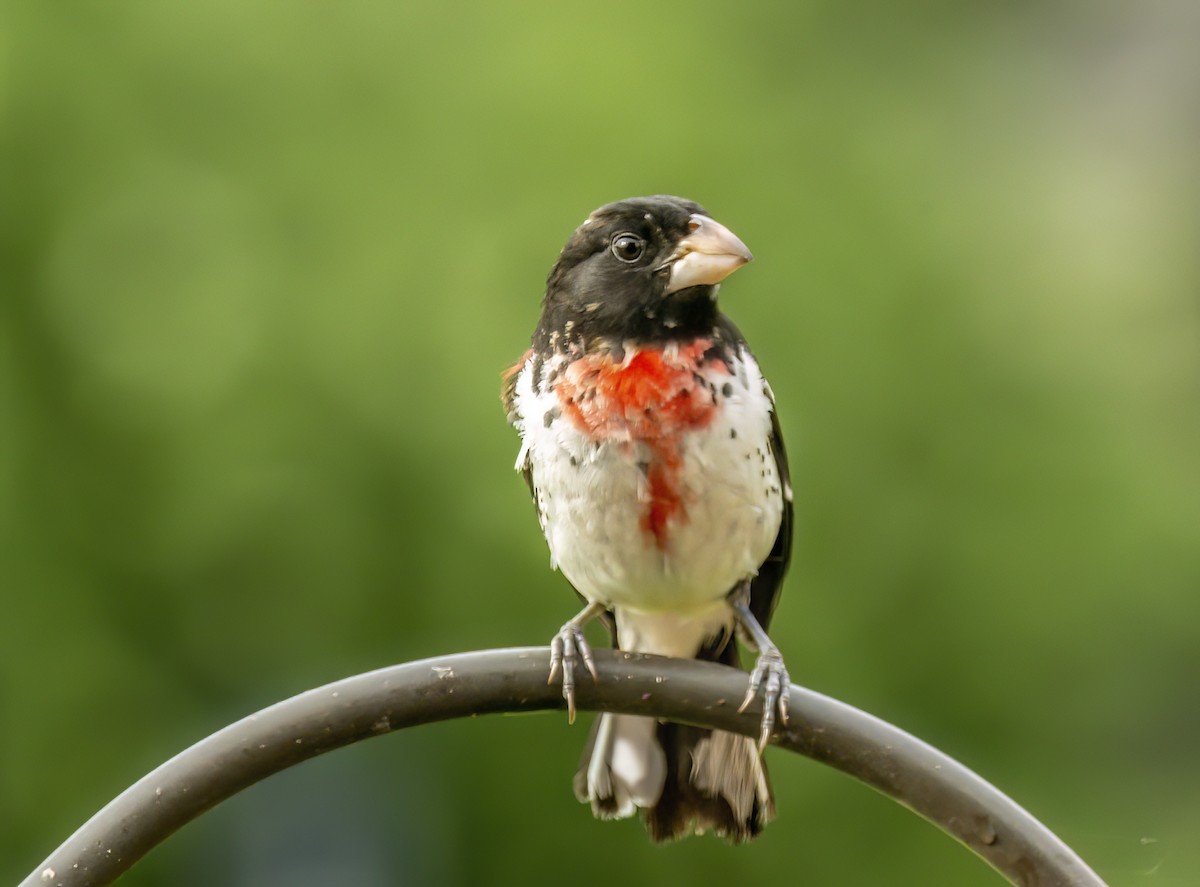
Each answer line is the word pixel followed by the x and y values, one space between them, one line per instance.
pixel 551 414
pixel 733 434
pixel 727 389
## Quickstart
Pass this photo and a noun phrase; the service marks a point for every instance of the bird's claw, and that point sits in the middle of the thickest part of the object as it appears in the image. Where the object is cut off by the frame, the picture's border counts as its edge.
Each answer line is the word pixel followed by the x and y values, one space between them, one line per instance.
pixel 772 676
pixel 568 646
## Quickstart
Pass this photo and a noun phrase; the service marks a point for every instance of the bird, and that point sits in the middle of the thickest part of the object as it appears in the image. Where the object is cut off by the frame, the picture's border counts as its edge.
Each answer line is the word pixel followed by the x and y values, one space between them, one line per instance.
pixel 652 449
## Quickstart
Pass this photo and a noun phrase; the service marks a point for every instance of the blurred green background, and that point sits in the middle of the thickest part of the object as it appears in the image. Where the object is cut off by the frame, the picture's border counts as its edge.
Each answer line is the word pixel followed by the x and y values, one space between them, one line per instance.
pixel 263 263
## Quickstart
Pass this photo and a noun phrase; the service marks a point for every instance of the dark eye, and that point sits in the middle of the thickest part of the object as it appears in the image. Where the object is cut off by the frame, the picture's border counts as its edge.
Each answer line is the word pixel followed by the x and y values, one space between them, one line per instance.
pixel 628 247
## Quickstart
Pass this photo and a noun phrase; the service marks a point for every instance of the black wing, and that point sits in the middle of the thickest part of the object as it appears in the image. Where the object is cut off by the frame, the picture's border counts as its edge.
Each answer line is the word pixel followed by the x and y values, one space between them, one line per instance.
pixel 765 587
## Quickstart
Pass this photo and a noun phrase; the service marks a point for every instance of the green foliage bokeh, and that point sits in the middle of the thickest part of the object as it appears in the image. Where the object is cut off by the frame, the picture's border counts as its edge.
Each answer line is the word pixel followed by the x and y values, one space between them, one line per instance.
pixel 261 266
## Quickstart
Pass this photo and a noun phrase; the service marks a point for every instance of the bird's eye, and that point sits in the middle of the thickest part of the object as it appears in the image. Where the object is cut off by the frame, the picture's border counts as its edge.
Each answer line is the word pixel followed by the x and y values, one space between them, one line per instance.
pixel 628 247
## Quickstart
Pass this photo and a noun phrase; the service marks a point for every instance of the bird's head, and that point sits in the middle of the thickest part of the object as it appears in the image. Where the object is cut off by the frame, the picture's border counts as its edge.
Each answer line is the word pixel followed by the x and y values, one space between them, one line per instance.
pixel 641 269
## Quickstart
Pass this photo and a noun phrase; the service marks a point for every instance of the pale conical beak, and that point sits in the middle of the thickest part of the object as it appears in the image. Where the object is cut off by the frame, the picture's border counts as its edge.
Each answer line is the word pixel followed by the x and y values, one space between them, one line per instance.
pixel 706 256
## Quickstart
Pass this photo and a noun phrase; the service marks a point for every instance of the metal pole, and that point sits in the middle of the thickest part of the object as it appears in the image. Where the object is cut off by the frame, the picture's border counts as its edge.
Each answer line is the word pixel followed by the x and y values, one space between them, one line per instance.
pixel 873 751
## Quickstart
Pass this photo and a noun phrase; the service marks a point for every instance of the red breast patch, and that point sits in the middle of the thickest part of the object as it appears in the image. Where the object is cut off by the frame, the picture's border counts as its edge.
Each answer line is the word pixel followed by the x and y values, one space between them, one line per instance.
pixel 652 397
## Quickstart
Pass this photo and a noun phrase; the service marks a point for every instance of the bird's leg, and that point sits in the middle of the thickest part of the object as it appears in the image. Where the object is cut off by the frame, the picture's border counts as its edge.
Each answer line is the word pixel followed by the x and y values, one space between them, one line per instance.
pixel 769 671
pixel 567 646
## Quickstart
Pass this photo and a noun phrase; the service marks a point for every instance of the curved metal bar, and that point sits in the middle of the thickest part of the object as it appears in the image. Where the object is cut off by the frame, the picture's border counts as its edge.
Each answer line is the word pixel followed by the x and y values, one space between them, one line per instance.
pixel 873 751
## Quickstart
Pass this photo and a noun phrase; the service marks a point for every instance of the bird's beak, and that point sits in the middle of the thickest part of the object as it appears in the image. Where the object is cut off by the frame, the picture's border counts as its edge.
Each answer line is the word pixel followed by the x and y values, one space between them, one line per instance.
pixel 706 256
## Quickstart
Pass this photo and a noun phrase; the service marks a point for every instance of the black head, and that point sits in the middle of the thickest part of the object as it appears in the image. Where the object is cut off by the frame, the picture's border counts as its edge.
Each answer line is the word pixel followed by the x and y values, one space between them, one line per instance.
pixel 643 269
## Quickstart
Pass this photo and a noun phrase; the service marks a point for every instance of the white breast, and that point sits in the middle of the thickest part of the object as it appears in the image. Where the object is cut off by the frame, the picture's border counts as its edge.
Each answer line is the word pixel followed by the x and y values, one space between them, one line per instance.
pixel 592 496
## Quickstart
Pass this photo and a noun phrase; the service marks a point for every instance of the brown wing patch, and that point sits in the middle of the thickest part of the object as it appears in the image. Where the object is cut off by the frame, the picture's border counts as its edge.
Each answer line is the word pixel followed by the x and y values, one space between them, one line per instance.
pixel 508 387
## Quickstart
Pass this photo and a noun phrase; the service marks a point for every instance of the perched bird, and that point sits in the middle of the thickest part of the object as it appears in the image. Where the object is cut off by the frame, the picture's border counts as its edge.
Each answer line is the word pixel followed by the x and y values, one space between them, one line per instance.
pixel 653 453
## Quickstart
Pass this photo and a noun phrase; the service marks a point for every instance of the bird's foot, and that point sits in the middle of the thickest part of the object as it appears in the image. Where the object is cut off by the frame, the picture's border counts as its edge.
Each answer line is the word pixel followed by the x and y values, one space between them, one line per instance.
pixel 772 676
pixel 569 646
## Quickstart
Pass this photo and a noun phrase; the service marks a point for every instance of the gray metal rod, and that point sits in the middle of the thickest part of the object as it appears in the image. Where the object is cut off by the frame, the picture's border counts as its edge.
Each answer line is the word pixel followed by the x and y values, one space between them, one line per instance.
pixel 900 766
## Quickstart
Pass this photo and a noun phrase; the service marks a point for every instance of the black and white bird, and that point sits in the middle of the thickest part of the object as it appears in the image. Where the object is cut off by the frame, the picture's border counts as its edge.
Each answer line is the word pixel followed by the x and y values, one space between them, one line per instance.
pixel 651 446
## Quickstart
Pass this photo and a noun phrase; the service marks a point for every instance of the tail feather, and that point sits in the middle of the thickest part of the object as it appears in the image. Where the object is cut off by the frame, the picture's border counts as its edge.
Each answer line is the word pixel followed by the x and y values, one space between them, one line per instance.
pixel 716 782
pixel 685 780
pixel 623 766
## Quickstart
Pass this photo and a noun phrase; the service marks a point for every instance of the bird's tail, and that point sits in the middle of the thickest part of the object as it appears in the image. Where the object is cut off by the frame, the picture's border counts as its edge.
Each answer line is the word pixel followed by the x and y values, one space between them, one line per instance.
pixel 684 779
